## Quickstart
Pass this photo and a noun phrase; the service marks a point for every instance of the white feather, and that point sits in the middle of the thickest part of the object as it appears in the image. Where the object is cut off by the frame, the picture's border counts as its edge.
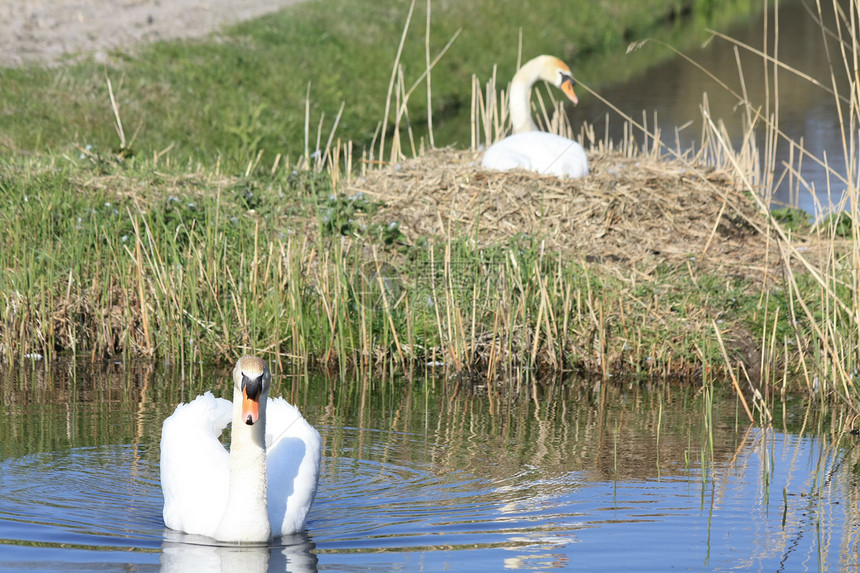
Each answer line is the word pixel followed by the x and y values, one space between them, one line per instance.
pixel 528 148
pixel 538 151
pixel 195 466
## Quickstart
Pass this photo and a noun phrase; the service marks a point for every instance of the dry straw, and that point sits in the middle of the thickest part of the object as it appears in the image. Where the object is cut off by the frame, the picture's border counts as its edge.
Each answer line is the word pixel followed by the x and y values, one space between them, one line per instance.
pixel 629 212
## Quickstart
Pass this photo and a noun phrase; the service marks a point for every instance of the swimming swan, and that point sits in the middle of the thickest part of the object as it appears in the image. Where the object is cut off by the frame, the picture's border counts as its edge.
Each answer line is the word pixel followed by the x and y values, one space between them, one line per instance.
pixel 528 148
pixel 263 487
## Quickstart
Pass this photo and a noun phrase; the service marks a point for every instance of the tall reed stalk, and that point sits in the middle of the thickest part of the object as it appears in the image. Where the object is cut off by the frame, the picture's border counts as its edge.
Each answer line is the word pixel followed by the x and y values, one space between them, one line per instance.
pixel 820 271
pixel 190 263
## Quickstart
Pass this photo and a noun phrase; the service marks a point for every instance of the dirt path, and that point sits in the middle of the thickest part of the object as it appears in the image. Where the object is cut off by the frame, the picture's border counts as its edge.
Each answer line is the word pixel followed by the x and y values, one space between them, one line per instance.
pixel 46 31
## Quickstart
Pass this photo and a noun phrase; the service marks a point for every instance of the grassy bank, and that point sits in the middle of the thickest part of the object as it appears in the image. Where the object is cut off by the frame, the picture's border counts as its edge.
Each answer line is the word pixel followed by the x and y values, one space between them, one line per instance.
pixel 191 227
pixel 192 265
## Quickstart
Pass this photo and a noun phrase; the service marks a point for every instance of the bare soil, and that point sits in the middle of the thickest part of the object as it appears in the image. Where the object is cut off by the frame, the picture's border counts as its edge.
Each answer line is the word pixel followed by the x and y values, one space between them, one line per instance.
pixel 48 32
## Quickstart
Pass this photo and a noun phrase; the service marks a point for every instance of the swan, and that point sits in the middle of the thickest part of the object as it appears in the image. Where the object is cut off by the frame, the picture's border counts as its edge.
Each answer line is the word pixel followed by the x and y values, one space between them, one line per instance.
pixel 528 148
pixel 263 487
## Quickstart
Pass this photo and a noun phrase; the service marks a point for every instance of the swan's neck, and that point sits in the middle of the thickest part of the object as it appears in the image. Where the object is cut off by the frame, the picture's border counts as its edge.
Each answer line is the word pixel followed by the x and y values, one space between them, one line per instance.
pixel 520 96
pixel 246 517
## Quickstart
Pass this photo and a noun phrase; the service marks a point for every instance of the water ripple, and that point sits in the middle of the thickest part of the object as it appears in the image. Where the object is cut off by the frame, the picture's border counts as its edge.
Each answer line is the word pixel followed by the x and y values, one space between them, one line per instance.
pixel 367 505
pixel 105 496
pixel 402 501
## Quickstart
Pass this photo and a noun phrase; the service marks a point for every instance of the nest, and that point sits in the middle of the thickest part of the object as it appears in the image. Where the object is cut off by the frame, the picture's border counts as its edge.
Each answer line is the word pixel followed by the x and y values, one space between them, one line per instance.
pixel 629 211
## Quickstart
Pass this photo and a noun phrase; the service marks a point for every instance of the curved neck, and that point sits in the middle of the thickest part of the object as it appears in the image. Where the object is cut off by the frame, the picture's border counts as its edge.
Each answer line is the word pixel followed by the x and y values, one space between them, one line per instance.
pixel 246 518
pixel 520 95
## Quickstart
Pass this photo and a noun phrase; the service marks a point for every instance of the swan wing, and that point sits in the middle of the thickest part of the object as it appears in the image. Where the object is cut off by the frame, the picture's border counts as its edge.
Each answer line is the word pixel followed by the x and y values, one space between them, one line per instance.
pixel 195 466
pixel 502 156
pixel 544 153
pixel 293 465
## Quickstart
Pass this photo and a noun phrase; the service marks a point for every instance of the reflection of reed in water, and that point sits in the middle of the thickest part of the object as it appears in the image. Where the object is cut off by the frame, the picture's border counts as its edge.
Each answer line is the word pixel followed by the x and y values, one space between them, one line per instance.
pixel 495 472
pixel 528 468
pixel 809 482
pixel 602 431
pixel 65 400
pixel 409 463
pixel 566 435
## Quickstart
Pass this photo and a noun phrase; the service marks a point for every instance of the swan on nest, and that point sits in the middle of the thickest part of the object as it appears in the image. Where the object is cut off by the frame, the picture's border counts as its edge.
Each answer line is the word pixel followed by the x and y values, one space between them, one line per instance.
pixel 527 147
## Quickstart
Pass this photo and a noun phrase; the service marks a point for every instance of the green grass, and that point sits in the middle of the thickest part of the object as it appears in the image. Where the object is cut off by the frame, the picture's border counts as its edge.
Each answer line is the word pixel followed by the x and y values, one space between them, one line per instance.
pixel 192 236
pixel 229 98
pixel 105 260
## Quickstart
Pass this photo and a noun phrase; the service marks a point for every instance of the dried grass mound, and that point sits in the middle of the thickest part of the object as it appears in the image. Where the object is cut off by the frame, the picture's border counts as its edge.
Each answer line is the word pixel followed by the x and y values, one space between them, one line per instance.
pixel 627 211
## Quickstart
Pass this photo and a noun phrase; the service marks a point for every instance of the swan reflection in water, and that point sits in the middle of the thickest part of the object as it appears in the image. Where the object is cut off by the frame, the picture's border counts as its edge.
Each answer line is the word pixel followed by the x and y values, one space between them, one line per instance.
pixel 185 553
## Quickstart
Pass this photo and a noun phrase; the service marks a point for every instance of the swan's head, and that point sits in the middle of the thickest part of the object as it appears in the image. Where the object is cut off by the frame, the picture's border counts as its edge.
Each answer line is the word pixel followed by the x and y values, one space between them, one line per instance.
pixel 558 73
pixel 251 377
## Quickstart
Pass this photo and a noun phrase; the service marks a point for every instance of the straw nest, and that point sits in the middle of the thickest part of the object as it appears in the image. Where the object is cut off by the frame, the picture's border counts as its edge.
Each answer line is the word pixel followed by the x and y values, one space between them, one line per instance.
pixel 629 211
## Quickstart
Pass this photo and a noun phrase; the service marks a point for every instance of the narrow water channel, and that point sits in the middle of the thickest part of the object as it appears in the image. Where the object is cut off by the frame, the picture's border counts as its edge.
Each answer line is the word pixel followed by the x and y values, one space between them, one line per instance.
pixel 577 476
pixel 674 92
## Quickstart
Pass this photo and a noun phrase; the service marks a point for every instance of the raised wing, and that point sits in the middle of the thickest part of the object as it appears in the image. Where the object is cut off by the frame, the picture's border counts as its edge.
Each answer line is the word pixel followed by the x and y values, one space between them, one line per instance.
pixel 195 466
pixel 294 450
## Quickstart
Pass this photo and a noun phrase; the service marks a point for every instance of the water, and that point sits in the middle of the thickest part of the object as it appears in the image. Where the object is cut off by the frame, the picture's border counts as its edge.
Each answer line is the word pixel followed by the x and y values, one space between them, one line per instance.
pixel 582 476
pixel 674 92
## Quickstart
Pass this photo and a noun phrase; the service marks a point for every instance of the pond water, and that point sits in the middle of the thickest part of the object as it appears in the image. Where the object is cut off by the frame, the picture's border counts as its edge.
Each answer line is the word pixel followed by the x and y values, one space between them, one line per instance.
pixel 674 91
pixel 421 476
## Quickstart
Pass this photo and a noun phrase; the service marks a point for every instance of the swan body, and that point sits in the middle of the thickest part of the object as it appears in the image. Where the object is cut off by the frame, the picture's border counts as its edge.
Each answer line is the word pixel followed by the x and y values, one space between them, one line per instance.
pixel 263 487
pixel 531 149
pixel 538 151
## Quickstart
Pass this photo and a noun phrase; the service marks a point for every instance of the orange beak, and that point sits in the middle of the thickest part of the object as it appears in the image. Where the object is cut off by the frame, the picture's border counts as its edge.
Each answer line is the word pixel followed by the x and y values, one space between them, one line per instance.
pixel 250 408
pixel 567 88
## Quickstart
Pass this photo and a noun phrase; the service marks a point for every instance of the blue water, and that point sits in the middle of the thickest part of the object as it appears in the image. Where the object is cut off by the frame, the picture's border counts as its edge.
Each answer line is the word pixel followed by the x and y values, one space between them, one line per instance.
pixel 469 497
pixel 673 93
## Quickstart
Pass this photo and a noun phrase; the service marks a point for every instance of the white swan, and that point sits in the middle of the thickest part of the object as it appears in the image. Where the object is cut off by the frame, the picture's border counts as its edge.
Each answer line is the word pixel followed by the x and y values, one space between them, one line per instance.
pixel 529 148
pixel 263 487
